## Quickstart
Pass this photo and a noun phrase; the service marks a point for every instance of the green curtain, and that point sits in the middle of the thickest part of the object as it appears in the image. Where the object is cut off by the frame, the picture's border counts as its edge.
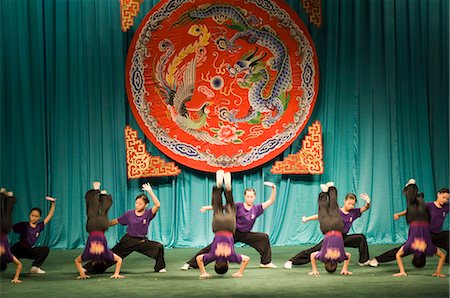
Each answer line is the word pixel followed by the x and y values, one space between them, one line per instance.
pixel 383 104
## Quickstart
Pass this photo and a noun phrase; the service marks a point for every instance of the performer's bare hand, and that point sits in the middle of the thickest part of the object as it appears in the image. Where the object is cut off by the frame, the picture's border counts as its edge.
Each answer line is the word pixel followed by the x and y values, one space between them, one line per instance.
pixel 400 274
pixel 117 276
pixel 237 275
pixel 147 187
pixel 16 281
pixel 396 217
pixel 365 197
pixel 345 272
pixel 304 219
pixel 83 276
pixel 438 274
pixel 205 275
pixel 314 273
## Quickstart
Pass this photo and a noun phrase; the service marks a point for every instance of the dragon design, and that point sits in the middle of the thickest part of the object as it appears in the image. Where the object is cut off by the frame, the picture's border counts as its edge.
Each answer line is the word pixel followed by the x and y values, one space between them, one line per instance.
pixel 254 74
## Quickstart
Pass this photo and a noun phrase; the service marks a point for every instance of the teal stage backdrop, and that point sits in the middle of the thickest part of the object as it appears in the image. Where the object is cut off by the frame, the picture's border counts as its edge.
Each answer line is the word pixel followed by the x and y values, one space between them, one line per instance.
pixel 383 103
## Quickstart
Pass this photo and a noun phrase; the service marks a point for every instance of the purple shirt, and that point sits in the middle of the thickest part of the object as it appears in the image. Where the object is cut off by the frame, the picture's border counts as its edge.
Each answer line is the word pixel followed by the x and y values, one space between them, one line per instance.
pixel 28 234
pixel 245 219
pixel 137 225
pixel 225 242
pixel 437 216
pixel 349 218
pixel 332 249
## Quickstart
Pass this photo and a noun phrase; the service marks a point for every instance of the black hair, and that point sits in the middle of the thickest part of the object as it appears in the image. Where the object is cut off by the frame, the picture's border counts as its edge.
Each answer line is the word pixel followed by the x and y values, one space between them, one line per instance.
pixel 143 197
pixel 419 261
pixel 351 196
pixel 37 209
pixel 330 267
pixel 99 267
pixel 221 267
pixel 249 189
pixel 444 190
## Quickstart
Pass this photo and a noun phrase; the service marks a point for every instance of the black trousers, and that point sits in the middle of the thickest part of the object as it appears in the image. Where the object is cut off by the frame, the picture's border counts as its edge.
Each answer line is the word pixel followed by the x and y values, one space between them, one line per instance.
pixel 6 210
pixel 354 240
pixel 97 207
pixel 126 246
pixel 440 240
pixel 259 241
pixel 37 254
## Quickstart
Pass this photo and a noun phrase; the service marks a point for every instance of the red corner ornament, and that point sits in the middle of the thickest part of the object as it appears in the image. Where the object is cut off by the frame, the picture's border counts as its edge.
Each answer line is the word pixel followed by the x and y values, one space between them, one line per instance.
pixel 128 10
pixel 309 160
pixel 314 9
pixel 140 163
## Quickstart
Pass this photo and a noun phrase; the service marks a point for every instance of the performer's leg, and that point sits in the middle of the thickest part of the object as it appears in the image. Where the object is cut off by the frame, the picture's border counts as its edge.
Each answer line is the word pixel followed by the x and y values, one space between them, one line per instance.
pixel 388 256
pixel 441 240
pixel 153 250
pixel 216 199
pixel 259 241
pixel 303 257
pixel 358 241
pixel 7 207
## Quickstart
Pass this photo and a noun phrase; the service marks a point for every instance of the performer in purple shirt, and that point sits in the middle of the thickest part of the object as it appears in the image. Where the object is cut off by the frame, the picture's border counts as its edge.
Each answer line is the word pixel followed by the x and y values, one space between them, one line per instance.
pixel 29 233
pixel 7 202
pixel 419 237
pixel 246 215
pixel 332 251
pixel 437 211
pixel 135 239
pixel 223 225
pixel 348 214
pixel 96 250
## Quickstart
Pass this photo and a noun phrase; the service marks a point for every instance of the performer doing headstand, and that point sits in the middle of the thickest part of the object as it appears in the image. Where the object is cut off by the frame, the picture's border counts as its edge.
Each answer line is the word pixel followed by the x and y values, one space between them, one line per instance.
pixel 96 250
pixel 331 225
pixel 419 238
pixel 224 226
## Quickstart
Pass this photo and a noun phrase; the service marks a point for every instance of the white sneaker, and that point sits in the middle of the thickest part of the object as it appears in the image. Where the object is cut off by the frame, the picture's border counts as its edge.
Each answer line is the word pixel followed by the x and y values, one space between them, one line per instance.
pixel 227 180
pixel 288 265
pixel 36 270
pixel 185 267
pixel 269 265
pixel 162 270
pixel 366 263
pixel 324 187
pixel 219 178
pixel 410 181
pixel 373 263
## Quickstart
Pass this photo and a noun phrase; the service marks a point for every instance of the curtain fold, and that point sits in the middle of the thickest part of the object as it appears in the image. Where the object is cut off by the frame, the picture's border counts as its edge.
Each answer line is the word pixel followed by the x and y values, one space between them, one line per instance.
pixel 383 103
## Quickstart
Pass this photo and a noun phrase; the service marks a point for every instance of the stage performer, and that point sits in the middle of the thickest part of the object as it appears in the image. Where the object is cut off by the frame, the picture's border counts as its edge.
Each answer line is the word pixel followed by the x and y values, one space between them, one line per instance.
pixel 29 233
pixel 135 239
pixel 438 211
pixel 349 214
pixel 98 204
pixel 7 202
pixel 223 225
pixel 419 237
pixel 332 251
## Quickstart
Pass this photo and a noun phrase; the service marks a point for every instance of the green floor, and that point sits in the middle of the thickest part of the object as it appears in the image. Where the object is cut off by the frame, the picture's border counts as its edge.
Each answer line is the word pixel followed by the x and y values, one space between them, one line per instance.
pixel 141 281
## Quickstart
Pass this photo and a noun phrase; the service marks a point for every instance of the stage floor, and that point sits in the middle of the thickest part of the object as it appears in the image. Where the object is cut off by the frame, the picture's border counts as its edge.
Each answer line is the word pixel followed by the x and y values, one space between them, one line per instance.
pixel 142 281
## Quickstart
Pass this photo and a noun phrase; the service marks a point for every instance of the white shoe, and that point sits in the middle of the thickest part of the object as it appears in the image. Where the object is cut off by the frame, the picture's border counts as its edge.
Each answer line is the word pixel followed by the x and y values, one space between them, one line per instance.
pixel 410 181
pixel 324 187
pixel 162 270
pixel 373 263
pixel 269 265
pixel 219 178
pixel 330 184
pixel 288 265
pixel 36 270
pixel 185 267
pixel 366 263
pixel 227 179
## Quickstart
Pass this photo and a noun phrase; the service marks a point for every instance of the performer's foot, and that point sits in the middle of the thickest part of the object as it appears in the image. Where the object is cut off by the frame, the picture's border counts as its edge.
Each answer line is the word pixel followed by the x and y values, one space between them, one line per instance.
pixel 185 267
pixel 373 263
pixel 3 190
pixel 366 263
pixel 269 265
pixel 410 181
pixel 288 265
pixel 9 194
pixel 324 187
pixel 96 185
pixel 36 270
pixel 227 179
pixel 219 178
pixel 162 270
pixel 330 184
